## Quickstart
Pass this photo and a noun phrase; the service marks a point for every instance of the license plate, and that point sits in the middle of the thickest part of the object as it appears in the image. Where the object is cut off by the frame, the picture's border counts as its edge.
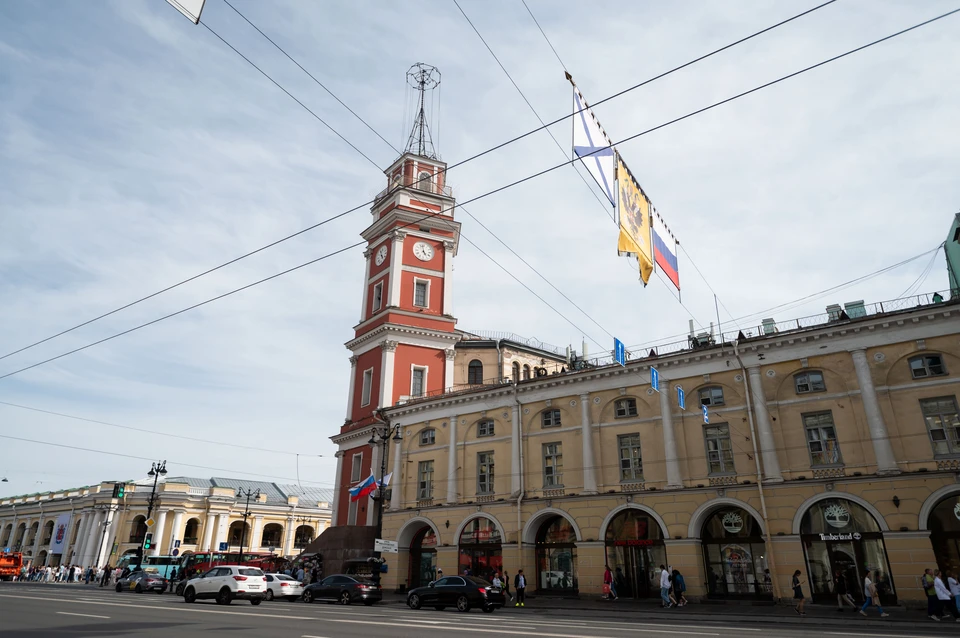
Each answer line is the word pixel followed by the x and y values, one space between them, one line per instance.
pixel 494 591
pixel 253 587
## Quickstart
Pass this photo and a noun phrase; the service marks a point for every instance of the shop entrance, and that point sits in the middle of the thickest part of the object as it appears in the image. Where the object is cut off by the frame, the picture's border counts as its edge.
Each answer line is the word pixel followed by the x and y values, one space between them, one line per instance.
pixel 944 526
pixel 735 556
pixel 635 551
pixel 481 554
pixel 556 557
pixel 423 558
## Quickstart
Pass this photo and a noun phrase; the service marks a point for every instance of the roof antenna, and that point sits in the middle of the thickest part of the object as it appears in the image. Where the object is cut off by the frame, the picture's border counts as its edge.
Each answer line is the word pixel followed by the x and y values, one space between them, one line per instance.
pixel 423 78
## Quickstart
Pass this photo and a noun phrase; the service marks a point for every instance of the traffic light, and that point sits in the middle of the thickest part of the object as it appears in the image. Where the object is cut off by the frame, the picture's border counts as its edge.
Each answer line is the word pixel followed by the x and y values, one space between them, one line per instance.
pixel 118 490
pixel 147 540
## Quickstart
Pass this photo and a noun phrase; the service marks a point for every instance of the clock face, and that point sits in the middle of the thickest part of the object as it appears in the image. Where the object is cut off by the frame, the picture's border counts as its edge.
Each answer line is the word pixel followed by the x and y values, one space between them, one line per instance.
pixel 381 255
pixel 423 251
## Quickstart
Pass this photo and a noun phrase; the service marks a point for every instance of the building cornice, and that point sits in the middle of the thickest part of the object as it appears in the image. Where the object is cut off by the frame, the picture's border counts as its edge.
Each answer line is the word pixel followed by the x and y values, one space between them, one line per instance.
pixel 388 330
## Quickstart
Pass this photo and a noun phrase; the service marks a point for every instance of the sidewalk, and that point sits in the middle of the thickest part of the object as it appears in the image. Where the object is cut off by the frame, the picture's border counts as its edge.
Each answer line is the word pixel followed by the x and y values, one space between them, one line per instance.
pixel 821 615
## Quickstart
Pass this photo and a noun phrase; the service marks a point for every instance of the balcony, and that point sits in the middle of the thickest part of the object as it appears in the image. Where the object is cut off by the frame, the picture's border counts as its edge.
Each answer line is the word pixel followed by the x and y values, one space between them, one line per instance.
pixel 412 184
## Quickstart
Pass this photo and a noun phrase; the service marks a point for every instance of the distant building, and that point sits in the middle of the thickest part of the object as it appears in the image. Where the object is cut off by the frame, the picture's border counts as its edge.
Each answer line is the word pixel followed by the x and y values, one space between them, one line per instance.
pixel 191 515
pixel 951 249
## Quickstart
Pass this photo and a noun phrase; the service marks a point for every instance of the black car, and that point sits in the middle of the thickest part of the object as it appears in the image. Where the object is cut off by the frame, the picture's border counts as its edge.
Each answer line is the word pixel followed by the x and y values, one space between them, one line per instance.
pixel 140 582
pixel 344 590
pixel 462 592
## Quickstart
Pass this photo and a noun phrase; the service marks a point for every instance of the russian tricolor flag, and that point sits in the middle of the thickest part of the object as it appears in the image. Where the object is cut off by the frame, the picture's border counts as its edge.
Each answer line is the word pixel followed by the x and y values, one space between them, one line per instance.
pixel 665 250
pixel 365 488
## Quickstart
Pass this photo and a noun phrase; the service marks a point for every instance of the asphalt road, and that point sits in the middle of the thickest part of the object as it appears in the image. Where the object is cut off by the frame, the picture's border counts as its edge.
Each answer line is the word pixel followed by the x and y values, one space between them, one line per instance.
pixel 64 611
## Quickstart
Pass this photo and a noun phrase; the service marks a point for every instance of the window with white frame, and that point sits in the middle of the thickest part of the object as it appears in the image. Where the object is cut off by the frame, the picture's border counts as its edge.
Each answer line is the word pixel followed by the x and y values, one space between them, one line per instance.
pixel 625 408
pixel 809 382
pixel 485 428
pixel 421 293
pixel 711 396
pixel 719 448
pixel 929 365
pixel 550 419
pixel 356 467
pixel 943 423
pixel 428 436
pixel 425 480
pixel 631 463
pixel 366 388
pixel 377 296
pixel 552 465
pixel 418 381
pixel 485 473
pixel 822 439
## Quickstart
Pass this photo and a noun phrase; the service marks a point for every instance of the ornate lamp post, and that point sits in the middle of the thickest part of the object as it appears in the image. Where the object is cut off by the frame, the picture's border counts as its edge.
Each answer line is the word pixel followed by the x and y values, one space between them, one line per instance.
pixel 157 470
pixel 246 512
pixel 382 436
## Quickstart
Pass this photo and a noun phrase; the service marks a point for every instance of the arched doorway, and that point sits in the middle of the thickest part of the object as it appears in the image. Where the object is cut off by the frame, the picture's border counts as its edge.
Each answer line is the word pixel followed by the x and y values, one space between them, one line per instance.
pixel 303 536
pixel 239 532
pixel 634 551
pixel 272 536
pixel 944 526
pixel 557 557
pixel 840 536
pixel 190 531
pixel 423 557
pixel 734 556
pixel 480 549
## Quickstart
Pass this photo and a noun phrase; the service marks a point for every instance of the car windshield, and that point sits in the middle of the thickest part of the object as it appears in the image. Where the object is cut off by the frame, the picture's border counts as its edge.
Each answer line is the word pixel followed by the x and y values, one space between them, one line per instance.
pixel 283 577
pixel 478 581
pixel 250 572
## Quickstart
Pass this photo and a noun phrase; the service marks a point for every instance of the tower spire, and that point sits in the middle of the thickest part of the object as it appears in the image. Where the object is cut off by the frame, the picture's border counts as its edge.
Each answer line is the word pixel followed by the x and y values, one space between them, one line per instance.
pixel 423 78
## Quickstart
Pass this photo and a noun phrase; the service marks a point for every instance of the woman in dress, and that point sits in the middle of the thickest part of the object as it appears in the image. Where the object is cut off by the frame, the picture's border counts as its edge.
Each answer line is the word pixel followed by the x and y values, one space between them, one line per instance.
pixel 798 593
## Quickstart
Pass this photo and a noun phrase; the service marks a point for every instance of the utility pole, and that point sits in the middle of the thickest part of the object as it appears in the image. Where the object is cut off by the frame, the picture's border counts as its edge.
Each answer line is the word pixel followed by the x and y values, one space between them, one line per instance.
pixel 246 512
pixel 382 436
pixel 157 470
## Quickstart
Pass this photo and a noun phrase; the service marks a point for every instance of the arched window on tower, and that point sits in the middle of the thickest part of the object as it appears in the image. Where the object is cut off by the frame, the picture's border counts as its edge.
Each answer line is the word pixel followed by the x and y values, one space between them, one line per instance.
pixel 424 182
pixel 475 372
pixel 526 372
pixel 516 371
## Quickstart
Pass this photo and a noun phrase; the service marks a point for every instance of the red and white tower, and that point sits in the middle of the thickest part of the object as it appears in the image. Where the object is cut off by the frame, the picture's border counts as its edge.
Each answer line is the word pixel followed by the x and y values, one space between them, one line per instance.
pixel 403 344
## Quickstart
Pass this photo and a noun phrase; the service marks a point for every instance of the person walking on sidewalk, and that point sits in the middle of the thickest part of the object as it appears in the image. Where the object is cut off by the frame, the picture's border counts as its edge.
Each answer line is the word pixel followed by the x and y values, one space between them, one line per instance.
pixel 930 590
pixel 665 588
pixel 943 596
pixel 798 593
pixel 954 586
pixel 679 586
pixel 520 584
pixel 506 585
pixel 842 591
pixel 608 584
pixel 871 595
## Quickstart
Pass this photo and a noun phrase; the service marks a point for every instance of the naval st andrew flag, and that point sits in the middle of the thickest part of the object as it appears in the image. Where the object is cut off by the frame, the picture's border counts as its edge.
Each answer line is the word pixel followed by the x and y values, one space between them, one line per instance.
pixel 592 145
pixel 364 488
pixel 665 249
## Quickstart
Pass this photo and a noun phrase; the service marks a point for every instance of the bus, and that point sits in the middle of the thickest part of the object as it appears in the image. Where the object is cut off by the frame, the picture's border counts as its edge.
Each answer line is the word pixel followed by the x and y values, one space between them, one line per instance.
pixel 161 565
pixel 191 565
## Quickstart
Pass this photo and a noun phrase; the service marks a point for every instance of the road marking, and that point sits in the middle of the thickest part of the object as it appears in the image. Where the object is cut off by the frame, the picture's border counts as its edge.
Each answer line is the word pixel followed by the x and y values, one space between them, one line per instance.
pixel 67 613
pixel 838 633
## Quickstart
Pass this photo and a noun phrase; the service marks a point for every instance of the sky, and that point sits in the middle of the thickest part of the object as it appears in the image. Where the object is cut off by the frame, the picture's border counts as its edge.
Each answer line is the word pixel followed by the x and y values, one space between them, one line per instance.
pixel 137 149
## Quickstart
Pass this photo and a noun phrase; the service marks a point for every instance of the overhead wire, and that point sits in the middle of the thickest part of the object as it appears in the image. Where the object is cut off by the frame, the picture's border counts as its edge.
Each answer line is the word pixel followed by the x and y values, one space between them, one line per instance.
pixel 447 169
pixel 521 181
pixel 915 286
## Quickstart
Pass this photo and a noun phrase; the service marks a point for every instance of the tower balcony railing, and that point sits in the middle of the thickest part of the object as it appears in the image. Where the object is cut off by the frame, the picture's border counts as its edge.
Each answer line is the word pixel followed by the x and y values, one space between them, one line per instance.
pixel 415 184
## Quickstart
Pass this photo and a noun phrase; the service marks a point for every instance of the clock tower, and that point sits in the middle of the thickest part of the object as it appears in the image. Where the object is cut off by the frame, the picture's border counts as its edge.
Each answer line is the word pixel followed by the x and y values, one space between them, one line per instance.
pixel 403 346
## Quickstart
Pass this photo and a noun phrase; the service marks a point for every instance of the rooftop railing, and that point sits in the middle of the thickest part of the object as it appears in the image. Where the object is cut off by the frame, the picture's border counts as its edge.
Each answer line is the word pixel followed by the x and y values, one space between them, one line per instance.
pixel 414 184
pixel 512 336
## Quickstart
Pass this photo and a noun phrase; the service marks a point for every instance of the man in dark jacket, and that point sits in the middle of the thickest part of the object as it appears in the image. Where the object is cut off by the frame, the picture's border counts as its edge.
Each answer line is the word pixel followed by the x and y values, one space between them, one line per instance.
pixel 520 585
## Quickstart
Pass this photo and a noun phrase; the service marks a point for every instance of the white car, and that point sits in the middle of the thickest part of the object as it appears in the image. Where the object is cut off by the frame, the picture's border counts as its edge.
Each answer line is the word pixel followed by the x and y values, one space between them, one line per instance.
pixel 283 586
pixel 226 583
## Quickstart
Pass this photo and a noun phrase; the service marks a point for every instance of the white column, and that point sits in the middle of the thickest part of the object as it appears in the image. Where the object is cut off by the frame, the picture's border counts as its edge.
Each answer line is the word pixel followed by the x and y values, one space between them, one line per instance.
pixel 288 543
pixel 366 284
pixel 452 461
pixel 79 545
pixel 93 535
pixel 515 452
pixel 111 536
pixel 448 278
pixel 886 462
pixel 669 441
pixel 396 258
pixel 397 488
pixel 448 370
pixel 353 385
pixel 586 433
pixel 768 448
pixel 375 470
pixel 208 532
pixel 223 529
pixel 257 534
pixel 337 487
pixel 101 545
pixel 158 533
pixel 386 374
pixel 38 538
pixel 176 533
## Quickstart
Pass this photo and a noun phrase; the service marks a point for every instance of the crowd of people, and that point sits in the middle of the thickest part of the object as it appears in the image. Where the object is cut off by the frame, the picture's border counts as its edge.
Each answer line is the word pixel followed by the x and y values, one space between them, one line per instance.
pixel 102 576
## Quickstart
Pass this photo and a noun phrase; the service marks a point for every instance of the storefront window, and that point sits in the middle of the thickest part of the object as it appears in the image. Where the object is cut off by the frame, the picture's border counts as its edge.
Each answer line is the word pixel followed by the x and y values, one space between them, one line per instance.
pixel 480 551
pixel 944 526
pixel 635 551
pixel 557 556
pixel 735 556
pixel 841 540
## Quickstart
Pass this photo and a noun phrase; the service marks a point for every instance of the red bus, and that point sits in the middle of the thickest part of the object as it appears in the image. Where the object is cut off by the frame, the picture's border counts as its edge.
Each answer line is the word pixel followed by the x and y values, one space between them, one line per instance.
pixel 192 565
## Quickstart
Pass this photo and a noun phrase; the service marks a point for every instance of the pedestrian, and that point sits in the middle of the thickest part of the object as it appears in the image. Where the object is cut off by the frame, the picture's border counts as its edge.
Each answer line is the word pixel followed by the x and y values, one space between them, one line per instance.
pixel 870 593
pixel 497 582
pixel 506 585
pixel 665 588
pixel 679 586
pixel 609 589
pixel 105 579
pixel 943 595
pixel 439 574
pixel 842 591
pixel 767 581
pixel 520 584
pixel 930 589
pixel 798 593
pixel 954 587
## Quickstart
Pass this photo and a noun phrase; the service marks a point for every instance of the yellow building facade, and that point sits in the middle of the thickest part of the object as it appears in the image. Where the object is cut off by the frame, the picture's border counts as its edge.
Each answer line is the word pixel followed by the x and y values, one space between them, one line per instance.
pixel 89 527
pixel 851 425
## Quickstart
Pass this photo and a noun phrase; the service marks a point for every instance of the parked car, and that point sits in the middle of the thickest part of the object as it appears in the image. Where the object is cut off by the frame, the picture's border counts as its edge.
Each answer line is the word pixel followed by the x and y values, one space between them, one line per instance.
pixel 141 581
pixel 344 590
pixel 283 586
pixel 227 583
pixel 462 592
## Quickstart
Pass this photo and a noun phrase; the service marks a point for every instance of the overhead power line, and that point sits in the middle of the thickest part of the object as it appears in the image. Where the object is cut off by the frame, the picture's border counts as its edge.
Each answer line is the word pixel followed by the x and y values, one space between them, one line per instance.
pixel 367 203
pixel 514 183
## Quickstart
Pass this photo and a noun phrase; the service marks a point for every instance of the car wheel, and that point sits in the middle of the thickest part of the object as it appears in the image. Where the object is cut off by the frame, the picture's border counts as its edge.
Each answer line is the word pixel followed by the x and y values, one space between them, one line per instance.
pixel 439 607
pixel 180 589
pixel 488 609
pixel 308 596
pixel 190 595
pixel 345 598
pixel 224 597
pixel 119 588
pixel 256 601
pixel 269 594
pixel 138 589
pixel 413 601
pixel 463 604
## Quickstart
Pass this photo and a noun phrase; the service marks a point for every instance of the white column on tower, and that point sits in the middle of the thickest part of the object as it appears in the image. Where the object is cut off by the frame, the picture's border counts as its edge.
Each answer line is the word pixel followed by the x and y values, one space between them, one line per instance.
pixel 448 278
pixel 448 370
pixel 396 258
pixel 367 255
pixel 337 487
pixel 353 386
pixel 386 373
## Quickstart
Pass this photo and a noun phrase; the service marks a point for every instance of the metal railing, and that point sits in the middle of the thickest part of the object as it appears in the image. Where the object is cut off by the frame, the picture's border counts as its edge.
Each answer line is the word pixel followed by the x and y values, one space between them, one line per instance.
pixel 512 336
pixel 415 184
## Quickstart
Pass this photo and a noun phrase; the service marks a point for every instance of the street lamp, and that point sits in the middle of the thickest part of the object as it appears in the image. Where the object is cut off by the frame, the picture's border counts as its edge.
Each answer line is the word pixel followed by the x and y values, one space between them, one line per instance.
pixel 382 436
pixel 246 512
pixel 157 470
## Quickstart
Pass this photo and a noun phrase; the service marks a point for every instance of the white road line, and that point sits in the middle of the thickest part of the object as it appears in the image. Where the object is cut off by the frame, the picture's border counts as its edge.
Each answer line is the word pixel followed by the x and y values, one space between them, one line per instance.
pixel 67 613
pixel 838 633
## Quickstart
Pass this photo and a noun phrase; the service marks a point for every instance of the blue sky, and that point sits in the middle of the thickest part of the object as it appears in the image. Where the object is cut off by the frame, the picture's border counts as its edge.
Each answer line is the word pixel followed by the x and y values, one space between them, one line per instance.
pixel 136 150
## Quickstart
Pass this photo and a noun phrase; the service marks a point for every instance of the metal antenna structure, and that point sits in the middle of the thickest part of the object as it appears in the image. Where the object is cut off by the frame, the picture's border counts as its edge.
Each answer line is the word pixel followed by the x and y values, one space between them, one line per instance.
pixel 423 78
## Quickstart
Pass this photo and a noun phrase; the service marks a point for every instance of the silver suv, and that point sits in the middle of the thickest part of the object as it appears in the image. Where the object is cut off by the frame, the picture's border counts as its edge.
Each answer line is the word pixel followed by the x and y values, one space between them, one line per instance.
pixel 226 583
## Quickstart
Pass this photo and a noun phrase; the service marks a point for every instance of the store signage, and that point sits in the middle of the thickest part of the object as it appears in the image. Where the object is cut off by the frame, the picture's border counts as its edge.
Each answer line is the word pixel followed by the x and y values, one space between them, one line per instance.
pixel 855 536
pixel 837 515
pixel 633 543
pixel 732 522
pixel 956 510
pixel 385 546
